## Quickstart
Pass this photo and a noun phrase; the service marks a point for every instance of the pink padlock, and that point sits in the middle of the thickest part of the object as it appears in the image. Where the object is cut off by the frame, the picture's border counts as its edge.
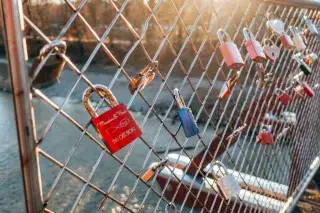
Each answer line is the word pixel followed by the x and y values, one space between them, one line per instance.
pixel 229 51
pixel 283 97
pixel 254 48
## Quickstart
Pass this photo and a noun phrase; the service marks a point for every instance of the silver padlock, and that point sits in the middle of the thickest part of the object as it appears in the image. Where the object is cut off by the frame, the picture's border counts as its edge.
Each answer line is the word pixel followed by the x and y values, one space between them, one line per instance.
pixel 297 38
pixel 311 26
pixel 227 184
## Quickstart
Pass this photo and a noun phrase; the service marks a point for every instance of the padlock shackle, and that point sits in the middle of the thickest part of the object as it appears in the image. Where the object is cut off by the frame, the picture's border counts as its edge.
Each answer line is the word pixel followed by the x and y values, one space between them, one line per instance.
pixel 53 45
pixel 266 41
pixel 272 15
pixel 223 36
pixel 293 30
pixel 220 164
pixel 160 164
pixel 279 90
pixel 306 19
pixel 267 128
pixel 104 91
pixel 170 206
pixel 248 35
pixel 178 98
pixel 149 69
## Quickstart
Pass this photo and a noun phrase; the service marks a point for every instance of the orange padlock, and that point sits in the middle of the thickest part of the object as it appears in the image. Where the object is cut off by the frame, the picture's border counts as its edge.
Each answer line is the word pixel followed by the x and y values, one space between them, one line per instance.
pixel 229 51
pixel 310 57
pixel 286 41
pixel 144 78
pixel 228 86
pixel 254 48
pixel 271 50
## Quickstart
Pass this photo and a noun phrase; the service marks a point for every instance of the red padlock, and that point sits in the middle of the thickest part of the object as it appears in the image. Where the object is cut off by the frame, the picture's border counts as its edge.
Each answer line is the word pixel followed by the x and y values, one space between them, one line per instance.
pixel 286 41
pixel 308 90
pixel 283 96
pixel 116 127
pixel 254 48
pixel 229 51
pixel 265 136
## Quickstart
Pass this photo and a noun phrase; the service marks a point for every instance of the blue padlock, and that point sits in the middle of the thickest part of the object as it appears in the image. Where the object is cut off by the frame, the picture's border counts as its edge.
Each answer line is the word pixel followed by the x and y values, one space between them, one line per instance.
pixel 185 115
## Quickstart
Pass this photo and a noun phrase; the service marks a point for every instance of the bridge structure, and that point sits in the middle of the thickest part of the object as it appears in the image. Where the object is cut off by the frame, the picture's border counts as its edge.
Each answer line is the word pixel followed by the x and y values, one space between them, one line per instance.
pixel 256 124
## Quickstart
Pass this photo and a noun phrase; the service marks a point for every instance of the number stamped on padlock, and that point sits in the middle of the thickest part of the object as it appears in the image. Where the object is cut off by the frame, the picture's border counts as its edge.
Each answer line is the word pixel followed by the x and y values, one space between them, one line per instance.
pixel 116 126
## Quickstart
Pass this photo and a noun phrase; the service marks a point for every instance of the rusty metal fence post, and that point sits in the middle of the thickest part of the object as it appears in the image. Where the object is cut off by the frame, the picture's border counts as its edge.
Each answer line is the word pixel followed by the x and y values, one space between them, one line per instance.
pixel 26 131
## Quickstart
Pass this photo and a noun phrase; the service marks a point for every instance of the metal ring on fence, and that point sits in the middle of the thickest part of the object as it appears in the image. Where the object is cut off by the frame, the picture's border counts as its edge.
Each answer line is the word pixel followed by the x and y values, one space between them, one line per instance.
pixel 170 206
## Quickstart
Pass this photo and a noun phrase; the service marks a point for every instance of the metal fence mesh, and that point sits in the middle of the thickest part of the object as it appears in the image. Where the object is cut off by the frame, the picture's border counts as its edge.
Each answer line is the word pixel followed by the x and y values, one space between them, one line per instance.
pixel 78 172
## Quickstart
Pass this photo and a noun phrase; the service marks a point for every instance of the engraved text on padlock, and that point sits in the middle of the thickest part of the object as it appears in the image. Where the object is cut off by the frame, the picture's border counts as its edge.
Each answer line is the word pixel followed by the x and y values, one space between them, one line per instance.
pixel 116 126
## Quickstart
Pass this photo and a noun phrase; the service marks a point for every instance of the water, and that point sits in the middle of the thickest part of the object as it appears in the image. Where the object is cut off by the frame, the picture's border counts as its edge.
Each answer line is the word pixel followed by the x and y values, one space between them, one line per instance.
pixel 63 136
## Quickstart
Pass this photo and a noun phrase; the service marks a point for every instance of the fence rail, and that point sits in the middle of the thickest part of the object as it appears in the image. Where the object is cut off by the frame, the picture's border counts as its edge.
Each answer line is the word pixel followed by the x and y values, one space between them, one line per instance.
pixel 77 171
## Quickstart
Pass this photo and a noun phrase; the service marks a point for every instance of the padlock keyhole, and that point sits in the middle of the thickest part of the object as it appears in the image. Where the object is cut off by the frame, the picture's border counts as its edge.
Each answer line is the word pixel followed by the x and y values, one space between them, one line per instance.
pixel 272 54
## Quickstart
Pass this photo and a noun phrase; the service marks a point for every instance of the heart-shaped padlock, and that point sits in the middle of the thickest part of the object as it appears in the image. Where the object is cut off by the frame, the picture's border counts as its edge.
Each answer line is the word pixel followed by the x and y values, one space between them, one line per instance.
pixel 275 24
pixel 271 50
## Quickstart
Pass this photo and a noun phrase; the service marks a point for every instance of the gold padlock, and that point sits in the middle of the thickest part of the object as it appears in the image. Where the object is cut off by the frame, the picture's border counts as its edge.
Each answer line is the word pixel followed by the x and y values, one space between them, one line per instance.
pixel 51 71
pixel 144 78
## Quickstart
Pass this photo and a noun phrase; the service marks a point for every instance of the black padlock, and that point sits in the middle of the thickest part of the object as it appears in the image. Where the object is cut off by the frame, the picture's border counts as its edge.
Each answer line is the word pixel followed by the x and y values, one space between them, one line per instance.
pixel 51 70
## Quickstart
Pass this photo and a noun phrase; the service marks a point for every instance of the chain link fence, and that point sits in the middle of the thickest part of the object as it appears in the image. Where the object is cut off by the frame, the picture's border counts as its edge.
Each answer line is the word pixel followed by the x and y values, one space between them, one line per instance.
pixel 109 43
